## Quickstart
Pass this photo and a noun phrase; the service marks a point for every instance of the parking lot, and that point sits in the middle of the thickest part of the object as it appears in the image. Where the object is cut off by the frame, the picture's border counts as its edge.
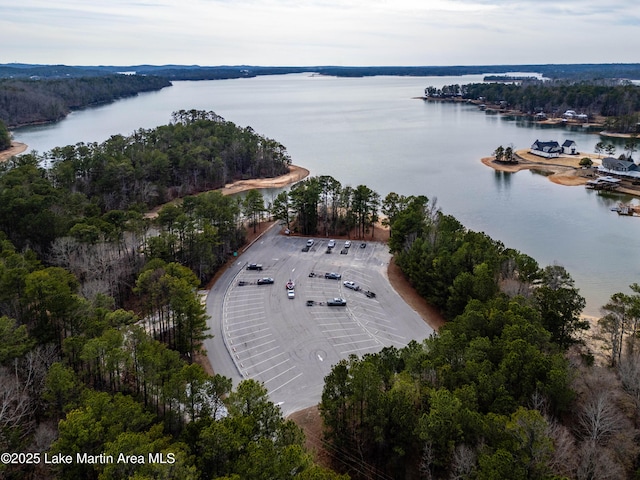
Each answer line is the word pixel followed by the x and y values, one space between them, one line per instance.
pixel 290 344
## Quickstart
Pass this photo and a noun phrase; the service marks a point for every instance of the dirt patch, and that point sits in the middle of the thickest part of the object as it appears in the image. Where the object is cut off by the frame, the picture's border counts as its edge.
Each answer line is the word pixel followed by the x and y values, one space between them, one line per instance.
pixel 16 148
pixel 401 285
pixel 310 421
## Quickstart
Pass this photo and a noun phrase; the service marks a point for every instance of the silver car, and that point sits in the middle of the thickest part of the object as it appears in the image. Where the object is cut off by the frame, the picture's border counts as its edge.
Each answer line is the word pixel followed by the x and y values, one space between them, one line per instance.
pixel 351 285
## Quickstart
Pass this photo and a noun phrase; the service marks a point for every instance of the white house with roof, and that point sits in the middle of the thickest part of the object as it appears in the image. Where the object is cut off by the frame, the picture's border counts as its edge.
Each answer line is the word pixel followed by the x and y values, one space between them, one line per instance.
pixel 570 147
pixel 550 149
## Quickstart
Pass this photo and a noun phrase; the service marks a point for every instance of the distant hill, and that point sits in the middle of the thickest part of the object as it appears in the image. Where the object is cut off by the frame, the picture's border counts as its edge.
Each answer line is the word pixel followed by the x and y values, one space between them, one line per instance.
pixel 31 94
pixel 32 100
pixel 196 72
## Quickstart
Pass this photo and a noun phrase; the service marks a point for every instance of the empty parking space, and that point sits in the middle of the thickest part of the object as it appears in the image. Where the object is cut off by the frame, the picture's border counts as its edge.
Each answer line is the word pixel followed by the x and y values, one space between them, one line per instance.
pixel 290 344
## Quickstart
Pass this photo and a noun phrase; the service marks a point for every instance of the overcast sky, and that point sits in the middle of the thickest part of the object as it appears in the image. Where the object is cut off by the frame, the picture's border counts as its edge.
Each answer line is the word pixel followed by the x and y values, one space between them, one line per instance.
pixel 319 32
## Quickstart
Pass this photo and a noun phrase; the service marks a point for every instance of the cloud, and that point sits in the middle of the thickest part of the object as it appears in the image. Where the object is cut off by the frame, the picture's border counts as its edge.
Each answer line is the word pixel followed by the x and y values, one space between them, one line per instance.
pixel 314 32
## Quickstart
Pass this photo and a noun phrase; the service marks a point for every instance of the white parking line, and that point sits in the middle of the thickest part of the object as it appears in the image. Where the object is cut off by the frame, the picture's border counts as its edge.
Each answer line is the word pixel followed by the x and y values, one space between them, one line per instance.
pixel 249 334
pixel 386 327
pixel 355 327
pixel 274 366
pixel 245 321
pixel 279 375
pixel 241 296
pixel 343 352
pixel 390 335
pixel 349 336
pixel 243 309
pixel 270 358
pixel 256 346
pixel 285 383
pixel 244 359
pixel 244 328
pixel 358 341
pixel 259 338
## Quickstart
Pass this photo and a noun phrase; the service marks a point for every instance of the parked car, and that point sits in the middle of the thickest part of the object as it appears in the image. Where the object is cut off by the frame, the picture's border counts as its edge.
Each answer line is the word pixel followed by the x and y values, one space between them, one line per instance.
pixel 370 294
pixel 332 276
pixel 254 266
pixel 351 285
pixel 310 242
pixel 347 244
pixel 265 281
pixel 336 302
pixel 363 245
pixel 331 244
pixel 291 293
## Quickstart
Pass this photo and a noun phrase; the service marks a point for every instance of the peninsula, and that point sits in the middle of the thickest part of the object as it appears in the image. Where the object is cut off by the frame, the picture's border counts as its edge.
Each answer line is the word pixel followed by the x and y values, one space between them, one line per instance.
pixel 563 170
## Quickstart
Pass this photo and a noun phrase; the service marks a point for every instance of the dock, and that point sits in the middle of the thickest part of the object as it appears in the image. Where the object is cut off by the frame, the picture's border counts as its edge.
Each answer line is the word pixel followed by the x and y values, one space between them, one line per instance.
pixel 603 183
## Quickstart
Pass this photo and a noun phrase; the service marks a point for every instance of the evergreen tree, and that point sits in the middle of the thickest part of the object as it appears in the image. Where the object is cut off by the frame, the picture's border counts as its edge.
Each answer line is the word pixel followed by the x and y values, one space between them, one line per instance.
pixel 5 137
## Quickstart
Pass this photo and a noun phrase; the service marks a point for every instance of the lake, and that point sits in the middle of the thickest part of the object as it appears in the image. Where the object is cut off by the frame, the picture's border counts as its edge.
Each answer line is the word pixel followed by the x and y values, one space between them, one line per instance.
pixel 373 131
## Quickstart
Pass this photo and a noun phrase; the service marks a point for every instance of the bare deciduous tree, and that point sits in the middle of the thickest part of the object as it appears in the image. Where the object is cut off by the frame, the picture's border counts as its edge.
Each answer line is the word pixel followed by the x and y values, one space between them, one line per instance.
pixel 463 462
pixel 600 419
pixel 596 462
pixel 564 455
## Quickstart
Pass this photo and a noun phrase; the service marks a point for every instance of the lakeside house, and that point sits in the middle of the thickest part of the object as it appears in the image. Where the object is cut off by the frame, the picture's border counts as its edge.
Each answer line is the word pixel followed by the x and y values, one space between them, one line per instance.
pixel 620 167
pixel 550 149
pixel 570 147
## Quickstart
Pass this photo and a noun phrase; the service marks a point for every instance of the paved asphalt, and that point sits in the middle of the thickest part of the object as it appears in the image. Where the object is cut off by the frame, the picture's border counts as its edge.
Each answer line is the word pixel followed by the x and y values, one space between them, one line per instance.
pixel 262 334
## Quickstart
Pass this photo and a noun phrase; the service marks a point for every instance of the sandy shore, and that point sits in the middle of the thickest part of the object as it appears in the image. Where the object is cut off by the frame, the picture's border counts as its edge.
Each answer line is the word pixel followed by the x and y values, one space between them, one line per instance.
pixel 295 174
pixel 564 170
pixel 15 149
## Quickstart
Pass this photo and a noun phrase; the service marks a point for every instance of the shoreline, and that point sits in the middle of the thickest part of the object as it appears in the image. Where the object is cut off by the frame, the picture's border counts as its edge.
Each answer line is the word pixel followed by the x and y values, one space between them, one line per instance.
pixel 16 148
pixel 564 170
pixel 296 173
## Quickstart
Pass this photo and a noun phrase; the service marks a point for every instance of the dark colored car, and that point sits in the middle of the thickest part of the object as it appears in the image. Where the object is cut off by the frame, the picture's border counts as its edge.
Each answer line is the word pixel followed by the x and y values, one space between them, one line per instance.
pixel 337 302
pixel 265 281
pixel 332 276
pixel 254 266
pixel 363 245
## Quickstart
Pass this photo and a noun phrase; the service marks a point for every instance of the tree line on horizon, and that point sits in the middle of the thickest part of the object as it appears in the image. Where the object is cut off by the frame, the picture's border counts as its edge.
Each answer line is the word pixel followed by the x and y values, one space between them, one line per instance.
pixel 619 103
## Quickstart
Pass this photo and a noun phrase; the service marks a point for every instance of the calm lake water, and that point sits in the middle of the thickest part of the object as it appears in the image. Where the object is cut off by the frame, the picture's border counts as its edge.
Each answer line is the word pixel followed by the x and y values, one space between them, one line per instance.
pixel 373 131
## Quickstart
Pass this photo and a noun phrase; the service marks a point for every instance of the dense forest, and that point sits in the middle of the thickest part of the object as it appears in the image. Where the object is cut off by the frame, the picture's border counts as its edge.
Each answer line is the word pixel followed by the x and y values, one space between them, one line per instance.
pixel 620 103
pixel 5 137
pixel 25 101
pixel 100 323
pixel 507 389
pixel 101 320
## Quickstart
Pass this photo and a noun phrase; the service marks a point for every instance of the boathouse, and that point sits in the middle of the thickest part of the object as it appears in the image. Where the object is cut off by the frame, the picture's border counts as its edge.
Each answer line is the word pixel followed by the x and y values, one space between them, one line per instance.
pixel 570 147
pixel 546 149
